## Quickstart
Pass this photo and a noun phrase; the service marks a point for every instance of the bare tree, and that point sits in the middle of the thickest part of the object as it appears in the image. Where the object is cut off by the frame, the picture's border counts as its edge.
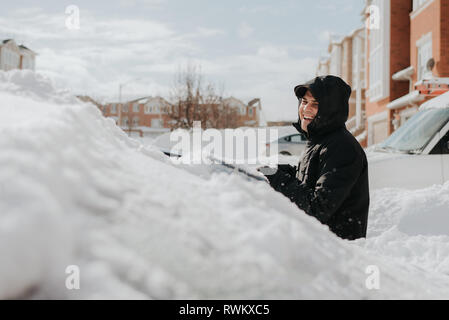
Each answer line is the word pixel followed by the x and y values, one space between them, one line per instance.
pixel 185 96
pixel 129 117
pixel 192 101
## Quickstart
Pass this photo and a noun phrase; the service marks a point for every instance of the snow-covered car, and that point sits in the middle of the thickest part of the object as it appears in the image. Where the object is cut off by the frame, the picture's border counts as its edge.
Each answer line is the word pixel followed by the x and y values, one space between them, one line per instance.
pixel 291 144
pixel 417 154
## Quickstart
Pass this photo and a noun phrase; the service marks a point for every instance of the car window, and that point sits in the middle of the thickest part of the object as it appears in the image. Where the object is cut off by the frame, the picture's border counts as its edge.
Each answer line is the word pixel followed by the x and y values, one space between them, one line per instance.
pixel 417 132
pixel 442 147
pixel 293 138
pixel 297 138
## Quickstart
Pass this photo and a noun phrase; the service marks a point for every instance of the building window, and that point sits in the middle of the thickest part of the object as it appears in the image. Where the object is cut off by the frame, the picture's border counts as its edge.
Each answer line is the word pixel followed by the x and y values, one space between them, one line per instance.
pixel 379 54
pixel 156 123
pixel 418 4
pixel 250 111
pixel 152 109
pixel 113 108
pixel 135 107
pixel 424 54
pixel 335 64
pixel 10 59
pixel 135 121
pixel 377 127
pixel 358 62
pixel 125 108
pixel 27 62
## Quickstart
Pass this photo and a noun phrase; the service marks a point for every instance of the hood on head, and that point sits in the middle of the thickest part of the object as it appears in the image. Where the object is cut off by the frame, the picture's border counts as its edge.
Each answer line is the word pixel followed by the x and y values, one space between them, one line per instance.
pixel 332 94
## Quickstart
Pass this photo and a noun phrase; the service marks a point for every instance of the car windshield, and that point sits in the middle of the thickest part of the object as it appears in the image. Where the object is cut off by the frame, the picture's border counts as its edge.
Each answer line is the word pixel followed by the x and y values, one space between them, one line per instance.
pixel 417 132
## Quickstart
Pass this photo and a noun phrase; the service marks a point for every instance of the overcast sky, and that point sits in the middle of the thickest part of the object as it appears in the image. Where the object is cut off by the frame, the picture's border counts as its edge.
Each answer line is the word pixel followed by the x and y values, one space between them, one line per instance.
pixel 252 48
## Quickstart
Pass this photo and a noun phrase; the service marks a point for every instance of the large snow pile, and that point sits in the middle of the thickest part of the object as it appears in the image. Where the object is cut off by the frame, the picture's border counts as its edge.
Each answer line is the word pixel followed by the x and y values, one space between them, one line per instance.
pixel 412 226
pixel 75 190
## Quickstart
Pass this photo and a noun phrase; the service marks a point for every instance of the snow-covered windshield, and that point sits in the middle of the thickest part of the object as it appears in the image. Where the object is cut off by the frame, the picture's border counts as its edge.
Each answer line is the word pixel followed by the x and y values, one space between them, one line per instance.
pixel 416 133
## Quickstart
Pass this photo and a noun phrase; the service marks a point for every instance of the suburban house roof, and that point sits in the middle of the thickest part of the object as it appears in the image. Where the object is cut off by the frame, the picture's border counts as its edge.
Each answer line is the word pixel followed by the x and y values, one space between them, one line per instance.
pixel 22 47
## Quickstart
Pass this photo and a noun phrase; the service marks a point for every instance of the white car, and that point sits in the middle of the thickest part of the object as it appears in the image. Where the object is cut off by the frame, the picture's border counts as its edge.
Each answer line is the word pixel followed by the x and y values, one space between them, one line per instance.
pixel 288 145
pixel 417 154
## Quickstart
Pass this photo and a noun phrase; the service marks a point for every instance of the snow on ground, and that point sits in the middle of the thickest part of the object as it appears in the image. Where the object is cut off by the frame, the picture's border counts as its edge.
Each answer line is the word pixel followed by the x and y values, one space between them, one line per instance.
pixel 75 190
pixel 411 226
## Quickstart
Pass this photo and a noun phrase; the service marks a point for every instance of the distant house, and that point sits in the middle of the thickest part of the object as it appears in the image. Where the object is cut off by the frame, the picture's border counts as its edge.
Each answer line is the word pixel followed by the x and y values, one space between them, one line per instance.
pixel 151 115
pixel 145 115
pixel 13 56
pixel 248 114
pixel 27 58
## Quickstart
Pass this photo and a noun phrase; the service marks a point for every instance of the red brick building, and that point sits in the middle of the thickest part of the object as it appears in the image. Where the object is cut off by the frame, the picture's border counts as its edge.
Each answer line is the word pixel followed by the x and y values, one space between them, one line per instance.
pixel 407 61
pixel 248 114
pixel 388 52
pixel 150 115
pixel 144 115
pixel 345 59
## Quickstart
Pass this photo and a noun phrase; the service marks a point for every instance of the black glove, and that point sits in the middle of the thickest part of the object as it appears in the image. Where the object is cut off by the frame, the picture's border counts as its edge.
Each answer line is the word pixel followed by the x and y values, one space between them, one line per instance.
pixel 268 171
pixel 288 168
pixel 283 174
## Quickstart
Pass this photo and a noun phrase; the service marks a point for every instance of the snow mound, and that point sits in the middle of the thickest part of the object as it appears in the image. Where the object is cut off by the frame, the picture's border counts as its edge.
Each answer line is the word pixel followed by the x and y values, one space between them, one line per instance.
pixel 75 190
pixel 412 226
pixel 34 85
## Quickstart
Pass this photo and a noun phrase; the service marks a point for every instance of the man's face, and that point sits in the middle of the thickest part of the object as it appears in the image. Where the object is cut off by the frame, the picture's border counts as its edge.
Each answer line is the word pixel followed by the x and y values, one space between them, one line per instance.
pixel 307 110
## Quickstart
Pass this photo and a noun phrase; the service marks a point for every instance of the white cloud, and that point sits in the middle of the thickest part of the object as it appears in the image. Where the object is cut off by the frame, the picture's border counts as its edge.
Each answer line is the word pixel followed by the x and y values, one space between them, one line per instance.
pixel 328 6
pixel 274 9
pixel 147 3
pixel 207 32
pixel 336 8
pixel 106 52
pixel 268 73
pixel 324 36
pixel 245 30
pixel 102 52
pixel 272 52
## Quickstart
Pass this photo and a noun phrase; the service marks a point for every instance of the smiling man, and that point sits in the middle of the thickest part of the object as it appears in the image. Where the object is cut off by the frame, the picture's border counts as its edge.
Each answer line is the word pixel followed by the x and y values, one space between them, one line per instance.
pixel 331 181
pixel 308 108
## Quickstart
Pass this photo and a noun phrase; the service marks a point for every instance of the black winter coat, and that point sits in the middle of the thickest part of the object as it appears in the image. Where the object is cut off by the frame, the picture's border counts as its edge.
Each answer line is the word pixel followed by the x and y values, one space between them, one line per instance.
pixel 331 181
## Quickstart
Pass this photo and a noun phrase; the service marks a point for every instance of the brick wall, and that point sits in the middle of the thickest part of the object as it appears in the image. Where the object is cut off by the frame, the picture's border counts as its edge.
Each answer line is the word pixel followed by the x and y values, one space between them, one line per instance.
pixel 428 20
pixel 399 57
pixel 399 45
pixel 442 66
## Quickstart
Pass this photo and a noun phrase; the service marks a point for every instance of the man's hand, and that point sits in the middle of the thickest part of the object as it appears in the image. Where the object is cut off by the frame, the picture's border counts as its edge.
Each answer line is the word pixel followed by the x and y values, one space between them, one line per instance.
pixel 288 168
pixel 267 171
pixel 279 175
